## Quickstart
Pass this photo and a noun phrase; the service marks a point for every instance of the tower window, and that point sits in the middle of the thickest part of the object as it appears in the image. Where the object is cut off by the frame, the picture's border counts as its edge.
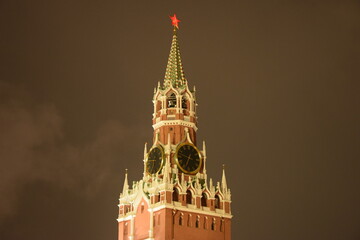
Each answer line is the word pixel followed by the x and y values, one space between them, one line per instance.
pixel 188 197
pixel 213 224
pixel 184 103
pixel 175 195
pixel 181 220
pixel 171 101
pixel 197 222
pixel 217 201
pixel 203 200
pixel 189 220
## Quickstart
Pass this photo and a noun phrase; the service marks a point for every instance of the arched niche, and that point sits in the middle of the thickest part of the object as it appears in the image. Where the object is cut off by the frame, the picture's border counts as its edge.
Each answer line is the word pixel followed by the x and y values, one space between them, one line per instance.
pixel 204 200
pixel 217 201
pixel 175 195
pixel 171 100
pixel 188 197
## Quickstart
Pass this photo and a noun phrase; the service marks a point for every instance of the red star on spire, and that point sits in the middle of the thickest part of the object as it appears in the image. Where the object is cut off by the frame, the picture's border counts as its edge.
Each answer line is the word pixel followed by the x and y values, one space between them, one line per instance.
pixel 174 21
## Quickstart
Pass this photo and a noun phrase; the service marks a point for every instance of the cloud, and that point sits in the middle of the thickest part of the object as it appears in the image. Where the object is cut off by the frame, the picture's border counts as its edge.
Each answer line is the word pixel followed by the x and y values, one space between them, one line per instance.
pixel 33 147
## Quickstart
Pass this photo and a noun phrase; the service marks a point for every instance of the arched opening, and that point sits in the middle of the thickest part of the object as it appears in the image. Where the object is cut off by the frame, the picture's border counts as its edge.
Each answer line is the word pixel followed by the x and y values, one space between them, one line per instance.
pixel 171 101
pixel 181 220
pixel 213 224
pixel 188 197
pixel 221 225
pixel 217 201
pixel 203 200
pixel 184 103
pixel 197 222
pixel 175 195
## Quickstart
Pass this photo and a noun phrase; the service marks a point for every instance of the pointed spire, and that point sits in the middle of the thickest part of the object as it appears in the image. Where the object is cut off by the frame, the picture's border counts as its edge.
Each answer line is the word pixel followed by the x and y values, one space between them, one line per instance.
pixel 167 168
pixel 204 148
pixel 211 185
pixel 156 136
pixel 145 155
pixel 168 145
pixel 126 184
pixel 166 173
pixel 223 180
pixel 145 150
pixel 204 153
pixel 174 75
pixel 167 176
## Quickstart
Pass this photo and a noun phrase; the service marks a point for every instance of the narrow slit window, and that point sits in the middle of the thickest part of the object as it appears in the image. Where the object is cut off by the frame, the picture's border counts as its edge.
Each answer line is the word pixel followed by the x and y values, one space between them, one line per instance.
pixel 181 220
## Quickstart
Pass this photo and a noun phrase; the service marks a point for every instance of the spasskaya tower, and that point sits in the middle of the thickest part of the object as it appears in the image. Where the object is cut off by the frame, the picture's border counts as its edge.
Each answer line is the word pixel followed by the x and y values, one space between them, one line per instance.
pixel 175 199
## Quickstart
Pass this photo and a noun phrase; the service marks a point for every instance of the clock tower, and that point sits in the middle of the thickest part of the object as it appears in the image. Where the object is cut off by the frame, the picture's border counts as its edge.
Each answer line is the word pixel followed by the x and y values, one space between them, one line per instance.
pixel 175 199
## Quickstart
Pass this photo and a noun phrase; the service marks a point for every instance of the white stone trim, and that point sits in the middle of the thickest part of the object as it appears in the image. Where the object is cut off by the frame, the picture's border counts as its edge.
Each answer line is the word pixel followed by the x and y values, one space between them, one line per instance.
pixel 175 122
pixel 192 210
pixel 127 217
pixel 170 117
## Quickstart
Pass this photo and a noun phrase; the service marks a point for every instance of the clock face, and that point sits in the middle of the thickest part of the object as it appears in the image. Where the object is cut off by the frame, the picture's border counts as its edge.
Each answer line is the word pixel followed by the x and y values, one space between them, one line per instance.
pixel 154 160
pixel 188 158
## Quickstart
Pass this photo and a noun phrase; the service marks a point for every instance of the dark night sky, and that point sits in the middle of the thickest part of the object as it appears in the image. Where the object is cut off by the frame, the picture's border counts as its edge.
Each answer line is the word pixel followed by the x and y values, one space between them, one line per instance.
pixel 278 93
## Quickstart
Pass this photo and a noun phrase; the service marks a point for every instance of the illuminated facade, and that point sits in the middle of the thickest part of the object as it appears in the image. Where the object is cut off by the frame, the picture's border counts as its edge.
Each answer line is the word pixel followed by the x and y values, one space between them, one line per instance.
pixel 175 199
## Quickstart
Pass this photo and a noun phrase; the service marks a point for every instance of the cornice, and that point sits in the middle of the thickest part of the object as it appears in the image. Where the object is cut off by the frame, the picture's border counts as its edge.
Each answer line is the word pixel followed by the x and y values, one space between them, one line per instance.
pixel 174 122
pixel 191 210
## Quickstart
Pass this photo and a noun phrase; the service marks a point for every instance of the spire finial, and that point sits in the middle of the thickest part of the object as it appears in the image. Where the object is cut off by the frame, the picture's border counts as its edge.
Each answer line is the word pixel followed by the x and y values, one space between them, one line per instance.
pixel 145 150
pixel 223 180
pixel 175 22
pixel 126 184
pixel 174 75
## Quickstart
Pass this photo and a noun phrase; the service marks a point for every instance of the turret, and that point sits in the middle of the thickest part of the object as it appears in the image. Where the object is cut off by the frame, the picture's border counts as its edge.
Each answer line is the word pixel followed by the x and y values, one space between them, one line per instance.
pixel 174 103
pixel 174 199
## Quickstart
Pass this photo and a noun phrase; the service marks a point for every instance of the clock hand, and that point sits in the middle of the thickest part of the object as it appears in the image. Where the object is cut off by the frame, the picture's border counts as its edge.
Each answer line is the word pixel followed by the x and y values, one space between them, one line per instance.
pixel 185 156
pixel 187 162
pixel 182 155
pixel 153 163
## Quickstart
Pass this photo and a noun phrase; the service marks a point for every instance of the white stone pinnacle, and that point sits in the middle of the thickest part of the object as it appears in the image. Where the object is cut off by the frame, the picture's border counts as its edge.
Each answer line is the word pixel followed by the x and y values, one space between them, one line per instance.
pixel 126 184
